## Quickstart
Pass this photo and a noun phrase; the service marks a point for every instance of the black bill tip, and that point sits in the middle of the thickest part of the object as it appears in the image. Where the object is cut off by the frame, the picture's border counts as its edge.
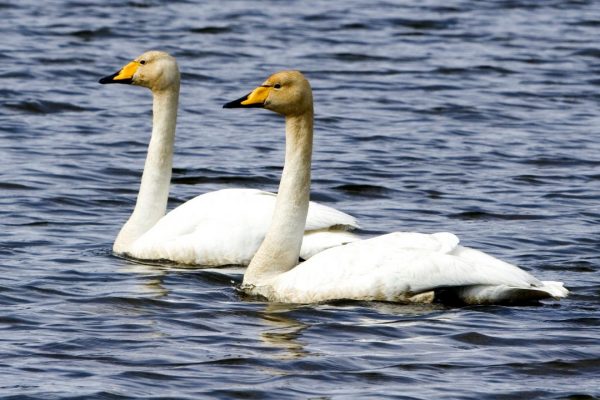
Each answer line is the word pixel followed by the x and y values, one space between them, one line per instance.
pixel 111 79
pixel 238 103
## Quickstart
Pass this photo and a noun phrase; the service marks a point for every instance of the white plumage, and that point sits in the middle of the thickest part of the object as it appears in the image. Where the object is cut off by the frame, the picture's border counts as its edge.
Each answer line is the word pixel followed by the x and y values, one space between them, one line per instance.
pixel 400 265
pixel 227 227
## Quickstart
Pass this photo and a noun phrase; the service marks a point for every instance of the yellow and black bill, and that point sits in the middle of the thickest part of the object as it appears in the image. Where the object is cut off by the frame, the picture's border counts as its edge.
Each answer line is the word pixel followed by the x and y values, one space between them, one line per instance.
pixel 254 99
pixel 124 75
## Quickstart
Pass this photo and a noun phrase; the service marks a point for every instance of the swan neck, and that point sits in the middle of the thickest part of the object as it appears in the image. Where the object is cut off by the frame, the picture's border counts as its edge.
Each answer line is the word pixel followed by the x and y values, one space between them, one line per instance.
pixel 151 204
pixel 280 250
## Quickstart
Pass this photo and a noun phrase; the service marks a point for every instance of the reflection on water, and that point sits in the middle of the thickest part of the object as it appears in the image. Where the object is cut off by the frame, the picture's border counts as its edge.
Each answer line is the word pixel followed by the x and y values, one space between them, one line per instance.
pixel 153 283
pixel 283 331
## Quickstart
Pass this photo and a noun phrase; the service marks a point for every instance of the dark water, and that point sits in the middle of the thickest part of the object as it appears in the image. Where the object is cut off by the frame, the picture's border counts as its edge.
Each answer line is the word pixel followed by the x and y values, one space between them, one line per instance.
pixel 481 118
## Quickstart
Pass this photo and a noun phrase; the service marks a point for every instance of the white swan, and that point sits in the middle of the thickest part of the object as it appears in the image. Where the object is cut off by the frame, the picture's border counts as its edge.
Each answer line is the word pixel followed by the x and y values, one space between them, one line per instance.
pixel 217 228
pixel 400 266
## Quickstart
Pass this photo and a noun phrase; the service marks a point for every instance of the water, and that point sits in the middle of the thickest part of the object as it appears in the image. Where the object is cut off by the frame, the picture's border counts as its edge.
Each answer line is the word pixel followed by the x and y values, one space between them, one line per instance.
pixel 480 118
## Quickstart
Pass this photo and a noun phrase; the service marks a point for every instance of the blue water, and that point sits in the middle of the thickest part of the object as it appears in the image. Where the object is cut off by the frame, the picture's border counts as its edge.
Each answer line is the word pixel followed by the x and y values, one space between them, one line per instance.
pixel 480 118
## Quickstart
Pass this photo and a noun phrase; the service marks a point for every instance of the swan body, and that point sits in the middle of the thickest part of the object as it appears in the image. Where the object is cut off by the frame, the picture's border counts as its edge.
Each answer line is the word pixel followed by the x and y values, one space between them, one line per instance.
pixel 217 228
pixel 399 267
pixel 227 226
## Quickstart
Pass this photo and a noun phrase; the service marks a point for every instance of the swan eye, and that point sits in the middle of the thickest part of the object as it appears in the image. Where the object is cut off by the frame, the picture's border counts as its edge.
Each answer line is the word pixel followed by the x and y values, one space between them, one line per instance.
pixel 143 62
pixel 277 86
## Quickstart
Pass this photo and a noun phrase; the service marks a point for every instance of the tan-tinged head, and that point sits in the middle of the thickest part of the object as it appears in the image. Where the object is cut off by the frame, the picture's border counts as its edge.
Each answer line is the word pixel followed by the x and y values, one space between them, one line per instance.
pixel 155 70
pixel 286 92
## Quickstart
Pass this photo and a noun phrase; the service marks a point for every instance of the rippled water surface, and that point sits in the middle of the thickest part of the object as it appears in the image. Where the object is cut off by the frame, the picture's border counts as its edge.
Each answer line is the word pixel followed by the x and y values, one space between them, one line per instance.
pixel 481 118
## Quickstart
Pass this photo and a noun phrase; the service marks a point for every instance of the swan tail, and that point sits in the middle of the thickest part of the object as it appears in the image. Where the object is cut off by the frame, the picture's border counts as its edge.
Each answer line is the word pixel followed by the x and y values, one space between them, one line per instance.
pixel 555 289
pixel 502 294
pixel 324 217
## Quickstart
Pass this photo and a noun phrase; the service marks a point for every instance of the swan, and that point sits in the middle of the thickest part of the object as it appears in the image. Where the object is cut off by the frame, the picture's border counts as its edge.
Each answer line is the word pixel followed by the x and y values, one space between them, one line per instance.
pixel 218 228
pixel 396 267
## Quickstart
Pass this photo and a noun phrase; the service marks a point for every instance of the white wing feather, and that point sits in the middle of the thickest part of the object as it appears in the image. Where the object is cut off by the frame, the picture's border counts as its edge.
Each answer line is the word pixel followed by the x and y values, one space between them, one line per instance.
pixel 227 227
pixel 397 266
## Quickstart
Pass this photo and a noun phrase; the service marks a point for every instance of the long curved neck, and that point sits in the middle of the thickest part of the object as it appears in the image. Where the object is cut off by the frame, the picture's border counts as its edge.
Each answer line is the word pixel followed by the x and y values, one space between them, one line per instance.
pixel 152 198
pixel 280 250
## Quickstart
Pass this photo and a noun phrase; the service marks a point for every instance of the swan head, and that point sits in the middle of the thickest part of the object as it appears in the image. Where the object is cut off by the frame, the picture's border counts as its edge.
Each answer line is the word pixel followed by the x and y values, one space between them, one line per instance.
pixel 286 92
pixel 155 70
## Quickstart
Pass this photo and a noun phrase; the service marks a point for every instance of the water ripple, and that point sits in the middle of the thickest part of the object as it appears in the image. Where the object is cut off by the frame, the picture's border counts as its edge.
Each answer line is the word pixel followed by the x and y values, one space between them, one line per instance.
pixel 474 118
